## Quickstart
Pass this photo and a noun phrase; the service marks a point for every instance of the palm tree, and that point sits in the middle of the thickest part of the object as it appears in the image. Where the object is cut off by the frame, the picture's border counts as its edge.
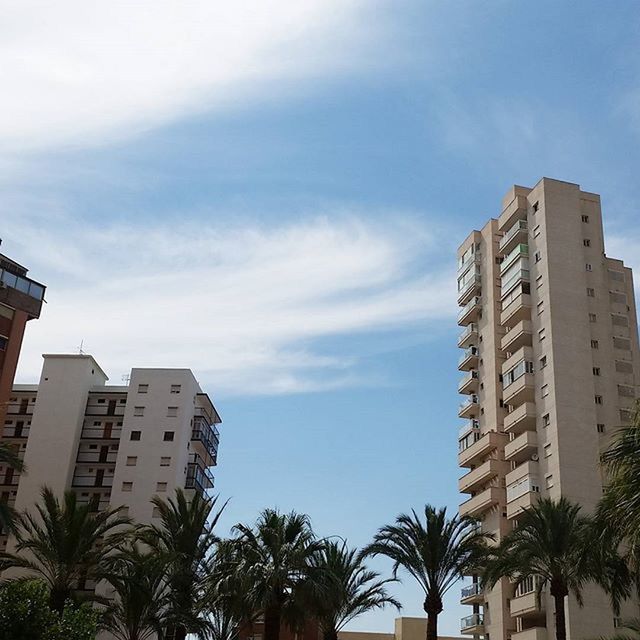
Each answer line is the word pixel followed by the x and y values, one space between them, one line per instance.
pixel 64 544
pixel 9 458
pixel 556 546
pixel 184 538
pixel 278 558
pixel 140 594
pixel 436 552
pixel 619 510
pixel 353 589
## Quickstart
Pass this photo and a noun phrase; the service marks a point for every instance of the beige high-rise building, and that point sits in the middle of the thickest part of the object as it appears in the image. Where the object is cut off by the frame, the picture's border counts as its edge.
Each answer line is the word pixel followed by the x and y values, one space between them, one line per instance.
pixel 115 445
pixel 550 368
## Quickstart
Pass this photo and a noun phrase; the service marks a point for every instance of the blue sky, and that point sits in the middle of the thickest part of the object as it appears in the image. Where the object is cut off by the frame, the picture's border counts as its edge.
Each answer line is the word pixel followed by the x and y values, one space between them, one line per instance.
pixel 273 195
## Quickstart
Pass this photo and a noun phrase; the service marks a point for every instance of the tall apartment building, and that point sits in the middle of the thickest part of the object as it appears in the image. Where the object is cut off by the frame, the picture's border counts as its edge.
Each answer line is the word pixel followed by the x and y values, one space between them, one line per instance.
pixel 115 445
pixel 550 367
pixel 20 301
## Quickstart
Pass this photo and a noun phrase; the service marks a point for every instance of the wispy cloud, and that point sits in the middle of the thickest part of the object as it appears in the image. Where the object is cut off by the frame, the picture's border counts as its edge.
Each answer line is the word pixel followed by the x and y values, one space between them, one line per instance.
pixel 77 73
pixel 244 306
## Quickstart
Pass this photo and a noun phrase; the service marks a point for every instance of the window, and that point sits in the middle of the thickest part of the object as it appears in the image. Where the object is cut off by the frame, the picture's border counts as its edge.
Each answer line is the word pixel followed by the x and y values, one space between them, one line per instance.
pixel 135 435
pixel 540 307
pixel 547 450
pixel 624 367
pixel 541 334
pixel 616 297
pixel 143 388
pixel 545 390
pixel 622 343
pixel 593 317
pixel 101 400
pixel 619 321
pixel 138 411
pixel 625 391
pixel 595 344
pixel 127 486
pixel 596 371
pixel 591 292
pixel 586 242
pixel 168 436
pixel 538 282
pixel 616 275
pixel 172 412
pixel 536 231
pixel 165 461
pixel 588 267
pixel 538 256
pixel 549 481
pixel 535 207
pixel 132 461
pixel 543 362
pixel 175 388
pixel 585 218
pixel 161 486
pixel 600 427
pixel 598 399
pixel 96 423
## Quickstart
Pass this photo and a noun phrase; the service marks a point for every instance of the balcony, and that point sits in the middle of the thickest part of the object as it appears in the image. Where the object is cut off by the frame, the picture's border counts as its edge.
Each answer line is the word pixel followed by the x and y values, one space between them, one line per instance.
pixel 11 431
pixel 521 419
pixel 522 494
pixel 525 602
pixel 472 594
pixel 470 311
pixel 101 433
pixel 520 391
pixel 520 251
pixel 528 468
pixel 533 633
pixel 469 359
pixel 198 475
pixel 481 448
pixel 469 383
pixel 522 447
pixel 518 309
pixel 469 408
pixel 469 336
pixel 515 235
pixel 469 289
pixel 473 259
pixel 92 480
pixel 515 210
pixel 96 457
pixel 481 502
pixel 207 438
pixel 479 476
pixel 468 427
pixel 9 480
pixel 472 625
pixel 520 275
pixel 518 336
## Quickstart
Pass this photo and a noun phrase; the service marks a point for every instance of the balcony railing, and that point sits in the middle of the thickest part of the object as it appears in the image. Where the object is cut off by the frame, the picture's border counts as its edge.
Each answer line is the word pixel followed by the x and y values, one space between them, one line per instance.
pixel 520 225
pixel 100 433
pixel 466 288
pixel 469 377
pixel 470 591
pixel 92 481
pixel 11 431
pixel 474 620
pixel 468 427
pixel 468 403
pixel 469 331
pixel 520 275
pixel 199 477
pixel 96 456
pixel 521 487
pixel 521 251
pixel 471 352
pixel 25 285
pixel 472 259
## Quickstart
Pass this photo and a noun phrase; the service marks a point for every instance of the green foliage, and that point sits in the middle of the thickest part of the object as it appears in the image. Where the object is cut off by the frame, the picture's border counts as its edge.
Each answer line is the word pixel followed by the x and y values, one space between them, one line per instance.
pixel 76 623
pixel 25 614
pixel 24 611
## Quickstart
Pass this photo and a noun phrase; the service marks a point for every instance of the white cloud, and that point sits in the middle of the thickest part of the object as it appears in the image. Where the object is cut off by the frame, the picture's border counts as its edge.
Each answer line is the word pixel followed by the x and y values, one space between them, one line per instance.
pixel 77 73
pixel 243 307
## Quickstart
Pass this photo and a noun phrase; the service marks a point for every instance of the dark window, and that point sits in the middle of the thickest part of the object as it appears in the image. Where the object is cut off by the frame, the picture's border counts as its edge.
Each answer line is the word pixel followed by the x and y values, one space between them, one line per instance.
pixel 3 343
pixel 135 435
pixel 168 436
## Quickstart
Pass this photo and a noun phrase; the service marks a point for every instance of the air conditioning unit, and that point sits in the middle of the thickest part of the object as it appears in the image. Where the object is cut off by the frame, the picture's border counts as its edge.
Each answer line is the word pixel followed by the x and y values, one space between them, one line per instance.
pixel 535 457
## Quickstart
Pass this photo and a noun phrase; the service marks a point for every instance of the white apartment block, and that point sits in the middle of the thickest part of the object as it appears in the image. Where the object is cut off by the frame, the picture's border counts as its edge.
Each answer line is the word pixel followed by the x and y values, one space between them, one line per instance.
pixel 116 445
pixel 550 368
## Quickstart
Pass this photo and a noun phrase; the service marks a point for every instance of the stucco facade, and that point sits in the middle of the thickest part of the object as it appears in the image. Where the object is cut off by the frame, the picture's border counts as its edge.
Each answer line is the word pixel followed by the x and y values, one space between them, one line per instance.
pixel 550 368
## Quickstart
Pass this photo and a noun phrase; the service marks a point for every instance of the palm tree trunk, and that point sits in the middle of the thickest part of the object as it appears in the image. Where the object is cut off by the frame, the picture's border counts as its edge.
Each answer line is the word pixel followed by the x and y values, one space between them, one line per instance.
pixel 561 624
pixel 432 626
pixel 272 623
pixel 329 634
pixel 180 632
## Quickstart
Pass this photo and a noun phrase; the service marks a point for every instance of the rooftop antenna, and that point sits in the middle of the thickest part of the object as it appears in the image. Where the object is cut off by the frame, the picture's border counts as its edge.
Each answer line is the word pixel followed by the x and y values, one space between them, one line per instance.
pixel 80 348
pixel 126 378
